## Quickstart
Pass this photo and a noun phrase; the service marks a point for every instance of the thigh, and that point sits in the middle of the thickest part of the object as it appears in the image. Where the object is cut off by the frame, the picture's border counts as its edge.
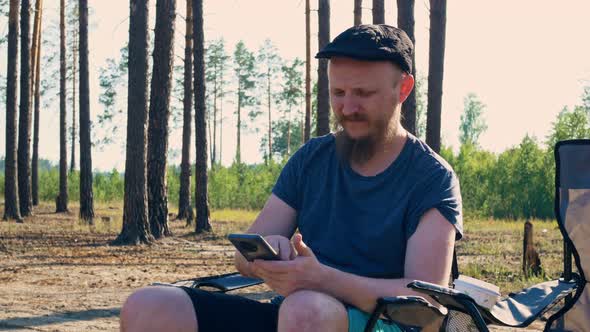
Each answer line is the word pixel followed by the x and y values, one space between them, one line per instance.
pixel 308 310
pixel 226 312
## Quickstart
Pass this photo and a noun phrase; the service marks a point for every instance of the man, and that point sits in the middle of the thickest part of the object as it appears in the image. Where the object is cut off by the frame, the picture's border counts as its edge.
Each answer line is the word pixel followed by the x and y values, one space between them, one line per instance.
pixel 375 208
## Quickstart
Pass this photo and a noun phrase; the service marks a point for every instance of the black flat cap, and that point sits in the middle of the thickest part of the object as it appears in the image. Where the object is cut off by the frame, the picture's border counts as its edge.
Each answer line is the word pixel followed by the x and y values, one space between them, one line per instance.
pixel 372 42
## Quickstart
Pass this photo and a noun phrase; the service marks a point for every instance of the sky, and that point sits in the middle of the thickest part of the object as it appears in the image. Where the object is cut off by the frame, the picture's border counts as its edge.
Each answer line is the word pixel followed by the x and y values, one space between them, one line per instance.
pixel 524 59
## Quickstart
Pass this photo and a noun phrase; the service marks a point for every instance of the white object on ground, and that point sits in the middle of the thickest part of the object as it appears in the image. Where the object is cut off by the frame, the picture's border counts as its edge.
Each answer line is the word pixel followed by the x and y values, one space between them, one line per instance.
pixel 484 294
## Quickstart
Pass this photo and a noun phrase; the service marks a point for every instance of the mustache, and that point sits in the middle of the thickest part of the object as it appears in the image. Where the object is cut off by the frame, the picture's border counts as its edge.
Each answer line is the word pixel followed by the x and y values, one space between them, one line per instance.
pixel 354 117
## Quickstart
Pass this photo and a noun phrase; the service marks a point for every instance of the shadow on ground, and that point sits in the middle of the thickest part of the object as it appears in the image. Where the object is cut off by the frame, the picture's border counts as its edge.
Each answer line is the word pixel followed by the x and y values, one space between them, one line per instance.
pixel 58 318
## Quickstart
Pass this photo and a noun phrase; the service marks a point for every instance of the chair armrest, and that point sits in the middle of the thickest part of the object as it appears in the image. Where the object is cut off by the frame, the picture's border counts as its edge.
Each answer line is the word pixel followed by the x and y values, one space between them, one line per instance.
pixel 412 311
pixel 222 283
pixel 453 300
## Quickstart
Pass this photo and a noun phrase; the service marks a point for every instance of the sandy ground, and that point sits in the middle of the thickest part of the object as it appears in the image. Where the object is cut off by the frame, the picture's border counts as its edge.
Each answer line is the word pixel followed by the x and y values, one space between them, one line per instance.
pixel 59 275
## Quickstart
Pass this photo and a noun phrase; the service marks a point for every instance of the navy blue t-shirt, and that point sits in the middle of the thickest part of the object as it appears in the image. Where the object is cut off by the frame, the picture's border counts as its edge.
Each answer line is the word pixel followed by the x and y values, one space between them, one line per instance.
pixel 361 224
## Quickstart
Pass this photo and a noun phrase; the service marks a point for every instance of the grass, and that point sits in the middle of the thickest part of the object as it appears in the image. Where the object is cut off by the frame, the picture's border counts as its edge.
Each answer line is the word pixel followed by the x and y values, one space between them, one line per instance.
pixel 491 250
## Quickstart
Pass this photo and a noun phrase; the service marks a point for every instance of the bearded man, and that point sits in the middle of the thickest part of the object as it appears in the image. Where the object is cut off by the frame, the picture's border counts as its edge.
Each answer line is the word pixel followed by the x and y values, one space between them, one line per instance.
pixel 375 208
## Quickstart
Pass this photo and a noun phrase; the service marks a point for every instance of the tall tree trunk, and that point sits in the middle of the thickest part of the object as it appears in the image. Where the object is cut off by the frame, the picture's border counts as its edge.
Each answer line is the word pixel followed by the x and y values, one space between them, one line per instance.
pixel 136 227
pixel 159 113
pixel 378 11
pixel 215 105
pixel 24 125
pixel 221 125
pixel 210 134
pixel 185 209
pixel 86 194
pixel 62 199
pixel 211 126
pixel 36 61
pixel 323 124
pixel 238 127
pixel 289 133
pixel 438 22
pixel 74 84
pixel 358 12
pixel 307 127
pixel 405 21
pixel 11 205
pixel 269 116
pixel 202 203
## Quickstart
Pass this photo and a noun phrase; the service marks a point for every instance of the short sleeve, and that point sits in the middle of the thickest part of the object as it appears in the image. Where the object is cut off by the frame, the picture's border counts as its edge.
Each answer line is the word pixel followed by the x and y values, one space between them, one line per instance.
pixel 441 191
pixel 288 187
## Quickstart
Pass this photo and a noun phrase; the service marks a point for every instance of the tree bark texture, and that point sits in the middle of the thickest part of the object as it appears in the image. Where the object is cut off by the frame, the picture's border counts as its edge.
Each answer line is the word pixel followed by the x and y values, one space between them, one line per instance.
pixel 24 124
pixel 185 209
pixel 159 112
pixel 405 21
pixel 36 61
pixel 323 115
pixel 378 11
pixel 238 127
pixel 136 228
pixel 86 194
pixel 268 96
pixel 358 12
pixel 438 19
pixel 11 202
pixel 62 198
pixel 74 73
pixel 307 126
pixel 202 203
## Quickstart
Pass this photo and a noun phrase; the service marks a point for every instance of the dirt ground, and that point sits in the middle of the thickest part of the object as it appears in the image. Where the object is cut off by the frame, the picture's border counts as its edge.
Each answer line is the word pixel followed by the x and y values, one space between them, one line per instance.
pixel 57 274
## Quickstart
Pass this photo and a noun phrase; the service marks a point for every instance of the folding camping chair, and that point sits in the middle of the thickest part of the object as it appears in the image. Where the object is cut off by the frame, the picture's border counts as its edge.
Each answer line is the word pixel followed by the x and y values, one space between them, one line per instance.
pixel 572 208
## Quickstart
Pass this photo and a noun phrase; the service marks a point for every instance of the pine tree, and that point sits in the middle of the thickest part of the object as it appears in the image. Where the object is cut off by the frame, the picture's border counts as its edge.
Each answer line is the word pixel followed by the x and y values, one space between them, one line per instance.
pixel 11 193
pixel 159 113
pixel 202 202
pixel 136 228
pixel 86 191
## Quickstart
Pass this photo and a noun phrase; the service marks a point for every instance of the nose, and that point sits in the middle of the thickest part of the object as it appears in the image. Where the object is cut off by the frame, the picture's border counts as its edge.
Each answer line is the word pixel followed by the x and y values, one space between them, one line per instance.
pixel 349 106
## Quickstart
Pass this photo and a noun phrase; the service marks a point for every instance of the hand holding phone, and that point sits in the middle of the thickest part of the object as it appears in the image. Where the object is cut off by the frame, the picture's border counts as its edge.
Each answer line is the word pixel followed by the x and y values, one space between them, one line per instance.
pixel 253 246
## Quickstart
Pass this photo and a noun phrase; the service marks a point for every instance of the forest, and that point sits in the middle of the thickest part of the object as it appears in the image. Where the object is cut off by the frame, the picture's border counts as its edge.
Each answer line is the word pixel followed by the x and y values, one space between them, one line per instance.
pixel 195 129
pixel 157 90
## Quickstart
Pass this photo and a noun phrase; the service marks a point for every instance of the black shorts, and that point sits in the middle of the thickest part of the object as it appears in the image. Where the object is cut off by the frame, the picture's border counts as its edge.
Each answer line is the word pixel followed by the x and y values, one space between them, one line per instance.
pixel 225 312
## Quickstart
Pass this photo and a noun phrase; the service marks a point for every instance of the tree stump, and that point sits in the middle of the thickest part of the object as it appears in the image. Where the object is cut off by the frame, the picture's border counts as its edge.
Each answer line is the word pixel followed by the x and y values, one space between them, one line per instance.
pixel 531 263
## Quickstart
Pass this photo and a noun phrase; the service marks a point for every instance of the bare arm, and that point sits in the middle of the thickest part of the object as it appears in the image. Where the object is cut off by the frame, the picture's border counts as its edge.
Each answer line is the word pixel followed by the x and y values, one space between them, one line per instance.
pixel 276 218
pixel 429 254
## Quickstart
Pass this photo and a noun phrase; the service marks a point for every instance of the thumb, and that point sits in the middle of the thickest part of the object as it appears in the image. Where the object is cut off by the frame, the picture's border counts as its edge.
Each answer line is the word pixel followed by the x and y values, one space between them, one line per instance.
pixel 301 247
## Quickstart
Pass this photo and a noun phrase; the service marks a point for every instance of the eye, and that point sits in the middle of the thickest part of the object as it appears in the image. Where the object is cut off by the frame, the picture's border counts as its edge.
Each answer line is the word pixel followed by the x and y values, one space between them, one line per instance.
pixel 365 93
pixel 338 93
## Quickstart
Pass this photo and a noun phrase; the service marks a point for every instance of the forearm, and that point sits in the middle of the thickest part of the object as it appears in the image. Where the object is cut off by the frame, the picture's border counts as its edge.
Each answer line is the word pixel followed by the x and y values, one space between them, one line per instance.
pixel 361 292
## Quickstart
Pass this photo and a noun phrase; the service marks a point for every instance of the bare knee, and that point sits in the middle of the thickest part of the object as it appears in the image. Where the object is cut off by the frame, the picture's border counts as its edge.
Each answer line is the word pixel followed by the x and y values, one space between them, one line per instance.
pixel 312 311
pixel 158 309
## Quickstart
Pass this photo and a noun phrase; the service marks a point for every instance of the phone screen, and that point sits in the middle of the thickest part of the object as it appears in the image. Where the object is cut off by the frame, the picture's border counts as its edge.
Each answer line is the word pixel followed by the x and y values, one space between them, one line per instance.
pixel 253 246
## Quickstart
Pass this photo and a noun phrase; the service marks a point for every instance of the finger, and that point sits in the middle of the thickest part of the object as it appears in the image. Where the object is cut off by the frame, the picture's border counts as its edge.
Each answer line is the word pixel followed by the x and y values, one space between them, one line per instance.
pixel 293 251
pixel 275 266
pixel 284 250
pixel 301 247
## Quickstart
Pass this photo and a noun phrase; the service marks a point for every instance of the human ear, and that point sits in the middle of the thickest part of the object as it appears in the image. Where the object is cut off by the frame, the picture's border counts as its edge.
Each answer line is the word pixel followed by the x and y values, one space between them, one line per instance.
pixel 406 86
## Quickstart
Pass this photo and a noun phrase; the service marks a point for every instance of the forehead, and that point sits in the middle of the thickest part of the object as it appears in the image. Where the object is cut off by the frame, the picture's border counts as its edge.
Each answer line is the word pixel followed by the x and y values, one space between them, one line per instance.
pixel 347 70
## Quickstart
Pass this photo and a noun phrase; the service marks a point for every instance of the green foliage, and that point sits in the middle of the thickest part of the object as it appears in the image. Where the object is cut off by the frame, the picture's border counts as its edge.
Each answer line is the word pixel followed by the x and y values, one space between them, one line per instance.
pixel 279 138
pixel 269 63
pixel 586 99
pixel 112 80
pixel 242 186
pixel 420 89
pixel 4 10
pixel 570 124
pixel 245 70
pixel 472 123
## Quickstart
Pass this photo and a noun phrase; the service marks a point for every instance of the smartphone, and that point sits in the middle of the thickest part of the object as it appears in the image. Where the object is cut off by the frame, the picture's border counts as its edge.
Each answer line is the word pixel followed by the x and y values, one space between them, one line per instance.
pixel 253 246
